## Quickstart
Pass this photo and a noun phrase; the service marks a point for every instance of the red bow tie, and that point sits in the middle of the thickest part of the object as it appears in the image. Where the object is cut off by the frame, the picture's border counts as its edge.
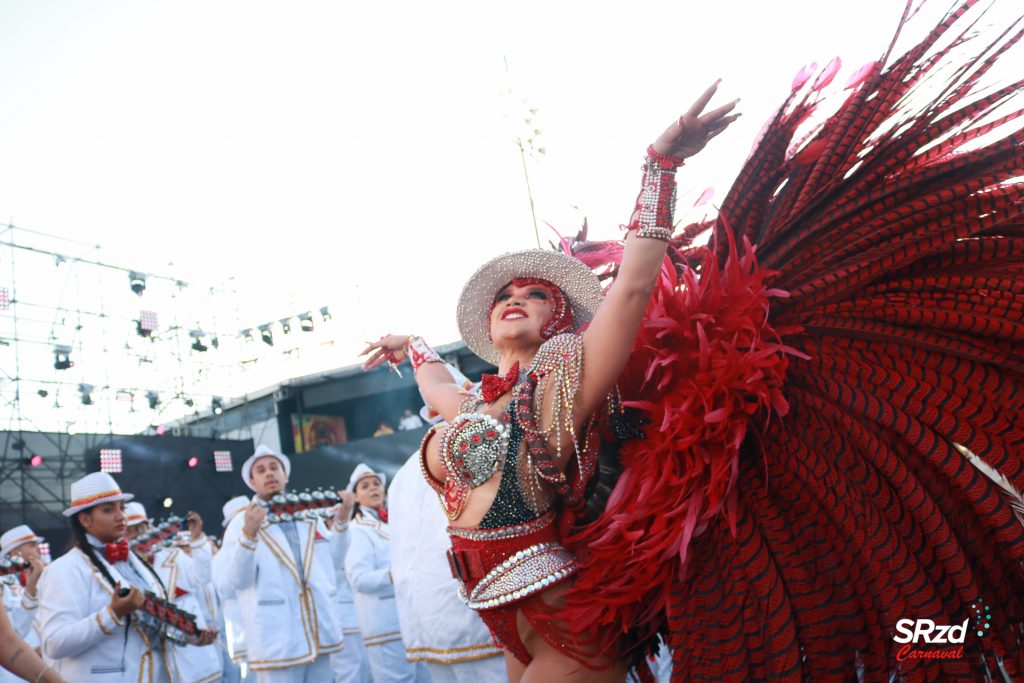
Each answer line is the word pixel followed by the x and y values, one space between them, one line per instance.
pixel 382 512
pixel 493 387
pixel 116 552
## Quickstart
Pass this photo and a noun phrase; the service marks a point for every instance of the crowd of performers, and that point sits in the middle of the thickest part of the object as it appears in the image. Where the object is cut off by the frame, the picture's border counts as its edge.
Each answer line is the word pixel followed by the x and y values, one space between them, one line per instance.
pixel 802 463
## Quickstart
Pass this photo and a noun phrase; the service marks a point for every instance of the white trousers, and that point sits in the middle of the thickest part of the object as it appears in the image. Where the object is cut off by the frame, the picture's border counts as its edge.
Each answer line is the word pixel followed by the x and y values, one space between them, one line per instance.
pixel 389 665
pixel 350 665
pixel 317 672
pixel 490 670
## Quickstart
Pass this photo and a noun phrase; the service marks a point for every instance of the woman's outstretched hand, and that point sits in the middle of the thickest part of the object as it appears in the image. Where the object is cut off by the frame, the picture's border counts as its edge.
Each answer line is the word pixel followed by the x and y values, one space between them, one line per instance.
pixel 389 348
pixel 694 129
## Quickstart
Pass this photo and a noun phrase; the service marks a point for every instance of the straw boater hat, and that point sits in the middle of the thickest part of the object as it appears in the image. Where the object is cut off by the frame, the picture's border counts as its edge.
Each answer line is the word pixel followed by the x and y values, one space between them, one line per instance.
pixel 578 283
pixel 262 451
pixel 17 537
pixel 362 472
pixel 135 513
pixel 233 507
pixel 94 489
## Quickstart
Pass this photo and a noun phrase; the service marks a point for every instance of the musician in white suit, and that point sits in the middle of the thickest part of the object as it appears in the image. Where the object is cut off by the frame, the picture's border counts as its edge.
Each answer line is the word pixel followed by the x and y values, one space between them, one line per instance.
pixel 20 597
pixel 368 567
pixel 233 634
pixel 89 629
pixel 182 577
pixel 350 665
pixel 283 577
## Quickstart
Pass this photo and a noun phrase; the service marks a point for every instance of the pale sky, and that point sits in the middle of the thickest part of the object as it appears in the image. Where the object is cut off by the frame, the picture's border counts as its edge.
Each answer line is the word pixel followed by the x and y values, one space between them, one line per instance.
pixel 357 155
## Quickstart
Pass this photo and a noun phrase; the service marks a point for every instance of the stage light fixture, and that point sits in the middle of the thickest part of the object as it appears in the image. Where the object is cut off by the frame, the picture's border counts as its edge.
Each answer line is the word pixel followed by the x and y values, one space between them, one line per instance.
pixel 193 462
pixel 325 313
pixel 266 334
pixel 62 358
pixel 286 325
pixel 189 402
pixel 168 502
pixel 43 393
pixel 217 405
pixel 86 391
pixel 247 334
pixel 5 299
pixel 147 324
pixel 137 281
pixel 222 461
pixel 110 460
pixel 214 342
pixel 34 461
pixel 197 344
pixel 306 322
pixel 153 398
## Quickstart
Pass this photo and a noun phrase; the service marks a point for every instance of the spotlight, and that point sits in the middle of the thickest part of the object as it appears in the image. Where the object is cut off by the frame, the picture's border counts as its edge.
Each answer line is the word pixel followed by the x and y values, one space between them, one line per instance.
pixel 86 391
pixel 153 398
pixel 325 313
pixel 193 462
pixel 62 358
pixel 110 460
pixel 146 324
pixel 306 322
pixel 217 404
pixel 43 393
pixel 189 402
pixel 34 461
pixel 137 281
pixel 286 325
pixel 266 334
pixel 168 502
pixel 198 344
pixel 5 299
pixel 247 334
pixel 222 461
pixel 214 342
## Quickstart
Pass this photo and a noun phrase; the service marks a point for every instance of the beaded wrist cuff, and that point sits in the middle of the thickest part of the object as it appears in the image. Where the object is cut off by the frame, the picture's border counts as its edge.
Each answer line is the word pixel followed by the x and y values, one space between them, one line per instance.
pixel 657 199
pixel 420 353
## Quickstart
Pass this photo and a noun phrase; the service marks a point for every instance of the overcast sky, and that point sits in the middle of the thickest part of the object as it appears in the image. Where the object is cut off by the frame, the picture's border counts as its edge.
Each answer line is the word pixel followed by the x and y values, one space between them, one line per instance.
pixel 357 155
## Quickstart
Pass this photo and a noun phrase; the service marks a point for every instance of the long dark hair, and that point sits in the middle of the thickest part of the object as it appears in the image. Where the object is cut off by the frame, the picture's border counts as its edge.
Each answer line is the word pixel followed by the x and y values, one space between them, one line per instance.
pixel 78 540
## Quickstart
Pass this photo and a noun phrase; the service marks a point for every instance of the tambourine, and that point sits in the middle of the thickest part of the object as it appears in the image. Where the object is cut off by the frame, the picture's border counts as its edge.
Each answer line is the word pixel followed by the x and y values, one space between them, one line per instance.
pixel 10 568
pixel 288 507
pixel 169 620
pixel 160 536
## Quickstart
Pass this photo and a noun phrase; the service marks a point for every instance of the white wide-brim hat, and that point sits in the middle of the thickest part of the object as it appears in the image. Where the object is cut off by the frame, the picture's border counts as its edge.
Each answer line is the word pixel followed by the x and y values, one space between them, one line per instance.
pixel 577 281
pixel 362 471
pixel 135 513
pixel 17 537
pixel 233 507
pixel 94 489
pixel 263 451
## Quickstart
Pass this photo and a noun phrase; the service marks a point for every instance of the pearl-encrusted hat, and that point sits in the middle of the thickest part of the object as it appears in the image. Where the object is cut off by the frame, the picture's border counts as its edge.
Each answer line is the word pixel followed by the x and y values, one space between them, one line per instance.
pixel 578 283
pixel 94 489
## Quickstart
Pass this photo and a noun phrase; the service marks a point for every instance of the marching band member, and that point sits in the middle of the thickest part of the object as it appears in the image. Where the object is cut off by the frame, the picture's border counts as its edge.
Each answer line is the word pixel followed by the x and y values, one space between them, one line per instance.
pixel 350 665
pixel 283 576
pixel 182 576
pixel 86 620
pixel 437 626
pixel 368 567
pixel 233 634
pixel 19 594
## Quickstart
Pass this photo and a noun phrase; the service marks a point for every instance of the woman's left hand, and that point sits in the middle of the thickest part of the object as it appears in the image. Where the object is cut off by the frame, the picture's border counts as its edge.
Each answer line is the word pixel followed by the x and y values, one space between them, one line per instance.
pixel 693 130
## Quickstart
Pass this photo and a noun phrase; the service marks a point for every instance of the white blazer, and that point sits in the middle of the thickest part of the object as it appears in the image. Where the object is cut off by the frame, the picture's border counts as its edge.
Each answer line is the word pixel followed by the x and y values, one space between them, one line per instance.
pixel 368 567
pixel 234 633
pixel 187 663
pixel 346 603
pixel 288 611
pixel 82 634
pixel 437 626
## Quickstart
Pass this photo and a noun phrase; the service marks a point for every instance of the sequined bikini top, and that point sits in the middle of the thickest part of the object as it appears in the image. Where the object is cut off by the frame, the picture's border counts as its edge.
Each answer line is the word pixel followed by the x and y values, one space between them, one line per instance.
pixel 476 446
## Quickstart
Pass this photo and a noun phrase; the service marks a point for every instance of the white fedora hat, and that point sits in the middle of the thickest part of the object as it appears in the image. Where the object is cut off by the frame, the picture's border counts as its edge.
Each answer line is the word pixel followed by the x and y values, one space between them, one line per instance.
pixel 135 513
pixel 262 451
pixel 233 507
pixel 17 537
pixel 361 472
pixel 94 489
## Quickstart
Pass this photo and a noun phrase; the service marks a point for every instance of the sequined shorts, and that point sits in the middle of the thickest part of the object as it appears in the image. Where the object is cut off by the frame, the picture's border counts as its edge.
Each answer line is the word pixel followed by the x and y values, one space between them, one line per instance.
pixel 506 569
